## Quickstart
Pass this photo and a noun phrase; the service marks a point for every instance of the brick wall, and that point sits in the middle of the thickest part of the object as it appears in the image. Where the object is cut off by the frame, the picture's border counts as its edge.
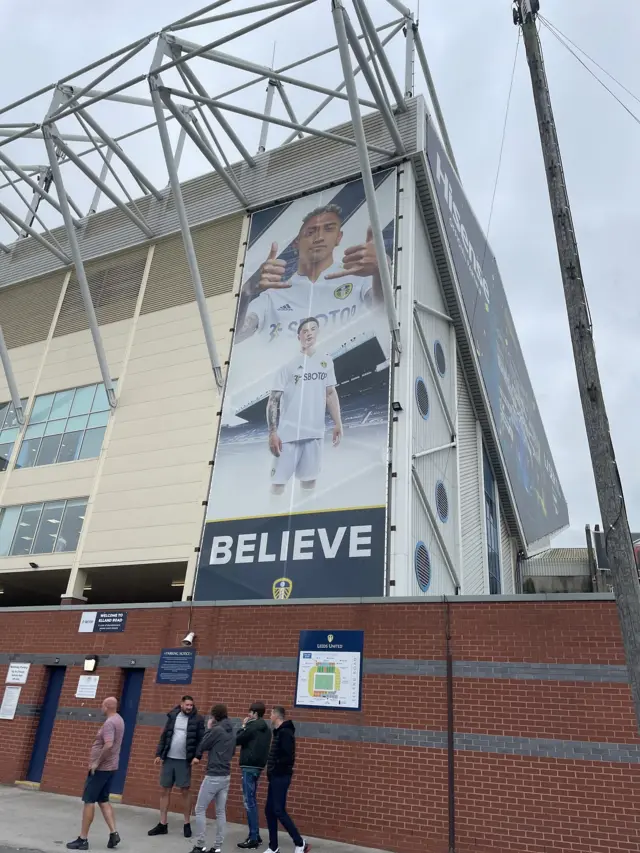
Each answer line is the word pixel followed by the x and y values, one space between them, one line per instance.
pixel 547 754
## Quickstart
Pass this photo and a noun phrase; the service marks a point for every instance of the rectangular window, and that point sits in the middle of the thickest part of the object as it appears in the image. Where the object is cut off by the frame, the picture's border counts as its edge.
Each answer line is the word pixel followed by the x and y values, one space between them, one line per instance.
pixel 9 431
pixel 65 426
pixel 42 528
pixel 491 524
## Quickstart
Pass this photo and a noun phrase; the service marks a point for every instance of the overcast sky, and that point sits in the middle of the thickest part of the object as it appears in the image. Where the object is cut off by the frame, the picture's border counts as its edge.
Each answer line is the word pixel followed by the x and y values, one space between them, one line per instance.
pixel 471 48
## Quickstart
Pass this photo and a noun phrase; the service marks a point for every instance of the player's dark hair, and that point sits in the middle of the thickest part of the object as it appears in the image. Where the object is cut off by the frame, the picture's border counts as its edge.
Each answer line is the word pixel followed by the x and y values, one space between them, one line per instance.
pixel 308 320
pixel 219 712
pixel 187 699
pixel 258 708
pixel 318 211
pixel 279 711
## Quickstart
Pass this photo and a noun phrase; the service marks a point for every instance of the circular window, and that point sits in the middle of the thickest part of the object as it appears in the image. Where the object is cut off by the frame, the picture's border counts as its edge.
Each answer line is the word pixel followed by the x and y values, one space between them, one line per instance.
pixel 441 361
pixel 422 561
pixel 422 397
pixel 442 501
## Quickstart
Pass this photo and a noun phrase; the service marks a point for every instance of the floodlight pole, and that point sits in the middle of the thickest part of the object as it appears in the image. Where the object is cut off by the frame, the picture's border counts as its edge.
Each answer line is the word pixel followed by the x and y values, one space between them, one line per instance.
pixel 187 239
pixel 268 106
pixel 76 255
pixel 11 379
pixel 409 58
pixel 367 176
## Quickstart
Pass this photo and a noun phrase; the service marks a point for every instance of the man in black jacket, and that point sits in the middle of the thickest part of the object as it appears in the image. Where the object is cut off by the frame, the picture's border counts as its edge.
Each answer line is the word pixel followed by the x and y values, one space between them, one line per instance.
pixel 182 733
pixel 220 743
pixel 282 757
pixel 254 740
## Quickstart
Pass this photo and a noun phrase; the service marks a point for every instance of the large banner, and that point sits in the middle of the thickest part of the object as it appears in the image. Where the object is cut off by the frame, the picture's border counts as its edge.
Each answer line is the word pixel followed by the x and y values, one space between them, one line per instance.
pixel 298 497
pixel 530 467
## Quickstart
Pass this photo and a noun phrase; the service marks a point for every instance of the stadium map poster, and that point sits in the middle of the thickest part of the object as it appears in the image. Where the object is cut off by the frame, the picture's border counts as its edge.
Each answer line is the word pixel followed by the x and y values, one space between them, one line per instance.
pixel 330 670
pixel 298 499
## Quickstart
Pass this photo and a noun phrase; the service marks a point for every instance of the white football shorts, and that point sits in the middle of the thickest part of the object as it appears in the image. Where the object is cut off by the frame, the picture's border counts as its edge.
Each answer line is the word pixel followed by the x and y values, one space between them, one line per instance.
pixel 302 458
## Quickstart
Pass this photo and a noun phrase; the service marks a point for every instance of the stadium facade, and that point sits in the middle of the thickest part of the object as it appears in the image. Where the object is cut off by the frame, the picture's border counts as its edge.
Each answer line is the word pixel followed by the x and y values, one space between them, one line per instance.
pixel 443 475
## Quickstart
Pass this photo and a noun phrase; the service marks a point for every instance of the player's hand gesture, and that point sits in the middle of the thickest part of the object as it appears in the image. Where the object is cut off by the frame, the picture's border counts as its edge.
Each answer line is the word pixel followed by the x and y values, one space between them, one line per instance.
pixel 337 435
pixel 272 271
pixel 359 260
pixel 275 443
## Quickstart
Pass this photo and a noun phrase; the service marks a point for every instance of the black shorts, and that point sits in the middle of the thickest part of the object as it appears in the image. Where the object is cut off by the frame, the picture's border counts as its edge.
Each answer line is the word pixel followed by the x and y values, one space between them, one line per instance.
pixel 98 786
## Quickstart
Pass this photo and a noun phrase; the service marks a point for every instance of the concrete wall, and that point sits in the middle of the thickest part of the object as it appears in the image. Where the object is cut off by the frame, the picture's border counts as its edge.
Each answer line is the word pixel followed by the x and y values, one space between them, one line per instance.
pixel 547 750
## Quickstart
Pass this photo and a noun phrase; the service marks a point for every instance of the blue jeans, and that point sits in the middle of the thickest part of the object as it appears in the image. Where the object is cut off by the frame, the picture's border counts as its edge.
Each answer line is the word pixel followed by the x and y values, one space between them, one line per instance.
pixel 249 798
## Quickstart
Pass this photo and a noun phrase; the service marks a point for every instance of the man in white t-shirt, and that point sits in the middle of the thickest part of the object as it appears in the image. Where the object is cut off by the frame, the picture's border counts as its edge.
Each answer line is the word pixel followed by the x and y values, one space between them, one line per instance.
pixel 336 293
pixel 301 392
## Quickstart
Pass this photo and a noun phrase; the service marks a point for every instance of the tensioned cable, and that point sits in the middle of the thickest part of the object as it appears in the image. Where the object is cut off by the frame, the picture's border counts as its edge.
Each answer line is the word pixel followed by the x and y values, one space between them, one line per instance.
pixel 556 34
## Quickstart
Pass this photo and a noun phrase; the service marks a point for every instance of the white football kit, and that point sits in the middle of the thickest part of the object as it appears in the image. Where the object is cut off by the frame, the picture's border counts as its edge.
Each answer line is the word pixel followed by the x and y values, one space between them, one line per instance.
pixel 334 303
pixel 303 383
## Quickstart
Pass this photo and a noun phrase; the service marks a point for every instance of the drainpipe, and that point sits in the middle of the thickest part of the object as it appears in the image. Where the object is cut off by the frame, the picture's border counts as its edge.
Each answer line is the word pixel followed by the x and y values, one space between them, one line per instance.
pixel 450 733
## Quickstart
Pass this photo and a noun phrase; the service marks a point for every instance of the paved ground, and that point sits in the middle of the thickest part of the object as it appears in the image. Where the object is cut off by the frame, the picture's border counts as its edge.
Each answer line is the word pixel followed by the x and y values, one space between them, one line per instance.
pixel 33 822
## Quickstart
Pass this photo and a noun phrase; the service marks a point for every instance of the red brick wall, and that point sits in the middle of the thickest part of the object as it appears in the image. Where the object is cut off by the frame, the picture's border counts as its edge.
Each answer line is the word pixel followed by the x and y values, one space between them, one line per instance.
pixel 379 794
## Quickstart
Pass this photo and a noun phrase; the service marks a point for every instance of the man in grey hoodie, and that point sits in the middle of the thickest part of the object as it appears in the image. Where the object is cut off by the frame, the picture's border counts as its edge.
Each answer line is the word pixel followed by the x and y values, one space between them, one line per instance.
pixel 220 743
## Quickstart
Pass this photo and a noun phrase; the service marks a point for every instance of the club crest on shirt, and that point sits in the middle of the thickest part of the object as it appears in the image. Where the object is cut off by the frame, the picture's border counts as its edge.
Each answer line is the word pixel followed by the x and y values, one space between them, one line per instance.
pixel 323 364
pixel 343 291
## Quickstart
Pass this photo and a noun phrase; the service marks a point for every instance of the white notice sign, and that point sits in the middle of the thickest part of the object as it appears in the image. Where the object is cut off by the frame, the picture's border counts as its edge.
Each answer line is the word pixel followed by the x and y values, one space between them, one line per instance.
pixel 9 703
pixel 87 686
pixel 330 670
pixel 87 622
pixel 18 673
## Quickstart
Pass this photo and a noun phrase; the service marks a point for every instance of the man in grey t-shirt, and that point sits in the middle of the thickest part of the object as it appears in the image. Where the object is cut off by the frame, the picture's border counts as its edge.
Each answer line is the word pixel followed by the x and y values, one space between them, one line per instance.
pixel 181 735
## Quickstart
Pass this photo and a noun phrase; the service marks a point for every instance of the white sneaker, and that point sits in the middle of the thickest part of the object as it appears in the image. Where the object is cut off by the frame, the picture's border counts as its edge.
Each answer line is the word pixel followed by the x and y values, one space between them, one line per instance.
pixel 269 850
pixel 304 849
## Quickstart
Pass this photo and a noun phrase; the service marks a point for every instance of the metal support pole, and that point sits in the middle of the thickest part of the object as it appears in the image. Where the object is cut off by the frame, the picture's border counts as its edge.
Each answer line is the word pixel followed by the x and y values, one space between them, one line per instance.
pixel 375 89
pixel 288 107
pixel 433 311
pixel 219 117
pixel 76 254
pixel 187 239
pixel 381 55
pixel 103 177
pixel 400 7
pixel 618 542
pixel 177 154
pixel 367 177
pixel 5 358
pixel 134 217
pixel 432 450
pixel 35 186
pixel 434 375
pixel 205 150
pixel 409 59
pixel 10 215
pixel 356 70
pixel 140 177
pixel 268 106
pixel 422 56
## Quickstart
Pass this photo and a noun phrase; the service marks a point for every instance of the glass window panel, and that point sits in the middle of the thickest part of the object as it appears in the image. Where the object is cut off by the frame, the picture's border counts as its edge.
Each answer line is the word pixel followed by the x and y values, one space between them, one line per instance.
pixel 49 528
pixel 8 525
pixel 62 404
pixel 11 420
pixel 100 401
pixel 5 453
pixel 71 525
pixel 26 531
pixel 8 435
pixel 55 427
pixel 4 407
pixel 100 419
pixel 34 431
pixel 48 452
pixel 41 408
pixel 28 453
pixel 92 443
pixel 83 400
pixel 70 446
pixel 74 424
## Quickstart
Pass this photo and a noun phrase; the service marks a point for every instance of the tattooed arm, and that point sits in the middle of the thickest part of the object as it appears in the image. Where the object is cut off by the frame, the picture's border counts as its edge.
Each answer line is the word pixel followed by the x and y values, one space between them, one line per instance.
pixel 273 418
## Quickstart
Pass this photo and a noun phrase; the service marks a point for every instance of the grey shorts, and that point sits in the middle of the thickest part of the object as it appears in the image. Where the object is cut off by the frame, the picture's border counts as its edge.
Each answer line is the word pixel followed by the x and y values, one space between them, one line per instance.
pixel 176 772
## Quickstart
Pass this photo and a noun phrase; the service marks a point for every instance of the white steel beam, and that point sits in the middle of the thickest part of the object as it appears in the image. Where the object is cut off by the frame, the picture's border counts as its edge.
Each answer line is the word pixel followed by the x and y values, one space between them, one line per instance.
pixel 381 55
pixel 367 177
pixel 268 106
pixel 11 379
pixel 81 275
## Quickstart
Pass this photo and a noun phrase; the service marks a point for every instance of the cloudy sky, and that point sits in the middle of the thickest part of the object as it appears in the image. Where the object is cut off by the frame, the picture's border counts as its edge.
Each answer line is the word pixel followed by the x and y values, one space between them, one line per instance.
pixel 471 48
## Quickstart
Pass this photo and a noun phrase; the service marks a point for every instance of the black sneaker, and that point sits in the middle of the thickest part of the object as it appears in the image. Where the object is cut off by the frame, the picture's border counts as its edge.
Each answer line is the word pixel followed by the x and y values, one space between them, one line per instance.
pixel 250 844
pixel 159 829
pixel 187 830
pixel 114 840
pixel 78 844
pixel 198 849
